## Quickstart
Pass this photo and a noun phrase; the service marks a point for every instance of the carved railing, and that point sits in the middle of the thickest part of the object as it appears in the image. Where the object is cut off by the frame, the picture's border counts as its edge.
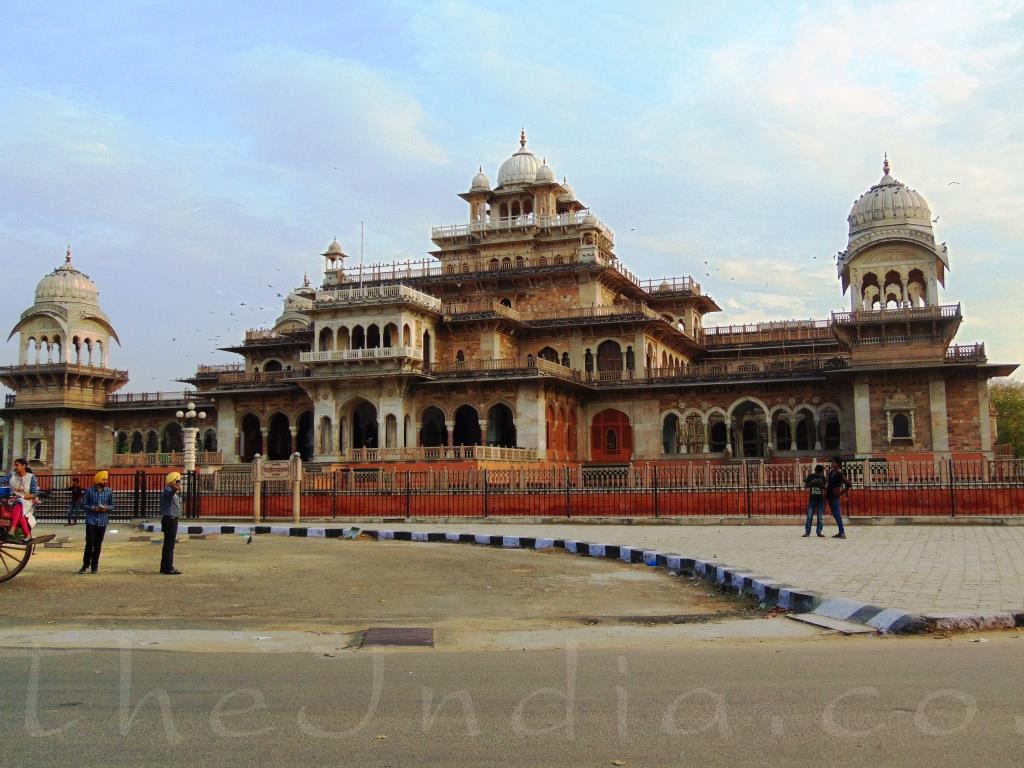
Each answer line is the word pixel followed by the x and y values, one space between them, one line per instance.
pixel 901 314
pixel 169 459
pixel 959 353
pixel 378 294
pixel 373 353
pixel 153 398
pixel 787 330
pixel 442 453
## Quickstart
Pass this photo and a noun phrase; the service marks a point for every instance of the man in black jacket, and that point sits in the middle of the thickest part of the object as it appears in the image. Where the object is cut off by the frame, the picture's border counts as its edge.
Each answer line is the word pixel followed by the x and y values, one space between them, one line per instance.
pixel 838 486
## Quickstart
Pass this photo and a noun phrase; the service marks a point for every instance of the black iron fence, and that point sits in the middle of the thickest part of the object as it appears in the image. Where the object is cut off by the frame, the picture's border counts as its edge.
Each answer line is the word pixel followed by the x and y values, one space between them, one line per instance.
pixel 737 490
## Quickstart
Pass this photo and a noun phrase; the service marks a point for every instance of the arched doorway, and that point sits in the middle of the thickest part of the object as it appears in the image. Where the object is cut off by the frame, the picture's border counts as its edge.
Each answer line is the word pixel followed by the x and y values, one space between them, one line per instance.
pixel 172 441
pixel 501 427
pixel 272 365
pixel 391 431
pixel 138 446
pixel 549 354
pixel 426 348
pixel 252 438
pixel 279 439
pixel 611 437
pixel 326 436
pixel 467 426
pixel 751 430
pixel 364 426
pixel 433 432
pixel 210 441
pixel 609 360
pixel 304 438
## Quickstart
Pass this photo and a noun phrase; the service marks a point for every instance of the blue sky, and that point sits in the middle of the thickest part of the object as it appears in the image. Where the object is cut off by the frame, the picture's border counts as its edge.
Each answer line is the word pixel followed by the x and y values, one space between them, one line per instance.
pixel 194 152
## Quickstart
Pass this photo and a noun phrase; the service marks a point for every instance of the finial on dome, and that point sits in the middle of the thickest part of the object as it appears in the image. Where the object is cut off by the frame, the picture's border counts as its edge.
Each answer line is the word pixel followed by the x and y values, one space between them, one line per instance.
pixel 67 255
pixel 885 163
pixel 522 138
pixel 305 280
pixel 480 168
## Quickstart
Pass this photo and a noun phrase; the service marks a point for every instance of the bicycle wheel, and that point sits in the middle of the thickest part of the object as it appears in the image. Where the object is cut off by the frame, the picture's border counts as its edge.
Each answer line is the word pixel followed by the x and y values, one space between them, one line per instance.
pixel 14 557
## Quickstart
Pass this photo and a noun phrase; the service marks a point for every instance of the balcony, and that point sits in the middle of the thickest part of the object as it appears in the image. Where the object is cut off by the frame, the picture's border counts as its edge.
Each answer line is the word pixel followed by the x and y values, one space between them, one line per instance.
pixel 501 368
pixel 760 333
pixel 442 453
pixel 899 315
pixel 671 286
pixel 377 295
pixel 349 355
pixel 765 368
pixel 9 401
pixel 172 459
pixel 155 399
pixel 480 310
pixel 216 370
pixel 591 314
pixel 582 218
pixel 966 353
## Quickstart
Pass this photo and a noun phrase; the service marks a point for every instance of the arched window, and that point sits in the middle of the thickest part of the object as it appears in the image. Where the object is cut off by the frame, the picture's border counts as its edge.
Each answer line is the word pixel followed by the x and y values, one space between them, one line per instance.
pixel 609 359
pixel 326 340
pixel 670 434
pixel 900 426
pixel 460 356
pixel 305 439
pixel 506 302
pixel 138 444
pixel 373 336
pixel 694 434
pixel 391 431
pixel 172 440
pixel 588 361
pixel 326 436
pixel 364 425
pixel 358 338
pixel 718 434
pixel 406 335
pixel 549 354
pixel 272 365
pixel 565 359
pixel 210 440
pixel 152 442
pixel 611 436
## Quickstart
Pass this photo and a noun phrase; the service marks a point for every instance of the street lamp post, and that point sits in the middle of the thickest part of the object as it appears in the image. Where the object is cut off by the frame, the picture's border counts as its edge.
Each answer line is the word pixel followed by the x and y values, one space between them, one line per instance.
pixel 190 420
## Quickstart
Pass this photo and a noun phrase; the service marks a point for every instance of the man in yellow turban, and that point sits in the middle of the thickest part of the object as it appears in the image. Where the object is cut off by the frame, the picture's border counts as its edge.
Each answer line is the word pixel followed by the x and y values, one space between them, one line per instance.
pixel 170 511
pixel 99 503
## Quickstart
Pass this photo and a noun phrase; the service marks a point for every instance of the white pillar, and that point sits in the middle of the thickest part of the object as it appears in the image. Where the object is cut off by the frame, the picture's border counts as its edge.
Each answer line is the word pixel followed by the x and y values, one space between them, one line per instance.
pixel 939 418
pixel 984 419
pixel 862 416
pixel 227 433
pixel 188 434
pixel 60 457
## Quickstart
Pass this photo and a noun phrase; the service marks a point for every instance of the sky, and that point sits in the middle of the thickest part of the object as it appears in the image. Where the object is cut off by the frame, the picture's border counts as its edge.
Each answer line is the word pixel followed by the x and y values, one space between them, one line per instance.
pixel 197 155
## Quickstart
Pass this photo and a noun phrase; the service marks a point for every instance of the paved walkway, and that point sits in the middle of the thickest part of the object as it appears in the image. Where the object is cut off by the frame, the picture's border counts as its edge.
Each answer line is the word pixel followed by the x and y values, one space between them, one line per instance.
pixel 917 568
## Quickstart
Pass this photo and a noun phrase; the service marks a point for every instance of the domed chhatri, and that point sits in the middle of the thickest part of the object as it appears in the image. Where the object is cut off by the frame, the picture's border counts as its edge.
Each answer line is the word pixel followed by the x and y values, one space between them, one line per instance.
pixel 67 284
pixel 889 203
pixel 334 250
pixel 521 168
pixel 545 175
pixel 891 257
pixel 568 194
pixel 480 182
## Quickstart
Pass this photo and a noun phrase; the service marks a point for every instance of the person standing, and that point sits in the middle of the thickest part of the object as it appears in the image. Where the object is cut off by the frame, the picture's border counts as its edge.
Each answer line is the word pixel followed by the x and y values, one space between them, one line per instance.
pixel 99 503
pixel 838 486
pixel 815 483
pixel 75 502
pixel 170 511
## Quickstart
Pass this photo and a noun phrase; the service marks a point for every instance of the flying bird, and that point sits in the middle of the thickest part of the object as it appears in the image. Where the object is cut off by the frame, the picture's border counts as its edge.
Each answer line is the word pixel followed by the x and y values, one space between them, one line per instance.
pixel 952 182
pixel 935 219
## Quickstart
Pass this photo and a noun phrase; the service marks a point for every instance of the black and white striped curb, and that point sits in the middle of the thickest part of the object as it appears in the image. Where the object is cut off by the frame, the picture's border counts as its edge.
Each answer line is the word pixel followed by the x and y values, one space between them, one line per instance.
pixel 765 590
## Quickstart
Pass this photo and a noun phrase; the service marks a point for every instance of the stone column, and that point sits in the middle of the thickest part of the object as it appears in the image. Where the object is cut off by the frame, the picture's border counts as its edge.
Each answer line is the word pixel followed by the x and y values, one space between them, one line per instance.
pixel 984 423
pixel 862 416
pixel 60 452
pixel 815 424
pixel 707 435
pixel 264 448
pixel 227 430
pixel 293 431
pixel 792 434
pixel 939 418
pixel 450 425
pixel 483 431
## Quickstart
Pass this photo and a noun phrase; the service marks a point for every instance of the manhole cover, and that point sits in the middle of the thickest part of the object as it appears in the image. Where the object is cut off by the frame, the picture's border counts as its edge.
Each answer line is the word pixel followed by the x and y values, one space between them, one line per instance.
pixel 417 636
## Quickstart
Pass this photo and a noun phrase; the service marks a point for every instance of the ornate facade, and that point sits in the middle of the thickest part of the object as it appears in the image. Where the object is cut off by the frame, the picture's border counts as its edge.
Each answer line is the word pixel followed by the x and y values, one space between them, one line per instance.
pixel 524 338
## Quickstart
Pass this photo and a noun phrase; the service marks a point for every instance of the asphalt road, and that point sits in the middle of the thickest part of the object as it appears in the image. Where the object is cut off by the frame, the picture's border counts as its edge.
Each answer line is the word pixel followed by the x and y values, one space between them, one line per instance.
pixel 829 701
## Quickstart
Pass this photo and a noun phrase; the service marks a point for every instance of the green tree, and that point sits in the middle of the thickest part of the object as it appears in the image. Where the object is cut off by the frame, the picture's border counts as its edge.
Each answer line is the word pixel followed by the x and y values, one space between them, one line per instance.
pixel 1007 395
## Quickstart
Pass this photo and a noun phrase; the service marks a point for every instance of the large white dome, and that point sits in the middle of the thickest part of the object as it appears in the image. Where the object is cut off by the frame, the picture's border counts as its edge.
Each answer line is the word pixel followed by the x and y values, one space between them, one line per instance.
pixel 67 284
pixel 521 168
pixel 889 203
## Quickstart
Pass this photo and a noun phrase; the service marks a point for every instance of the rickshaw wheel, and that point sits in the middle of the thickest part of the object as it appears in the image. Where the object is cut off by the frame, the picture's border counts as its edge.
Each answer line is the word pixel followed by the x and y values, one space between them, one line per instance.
pixel 14 557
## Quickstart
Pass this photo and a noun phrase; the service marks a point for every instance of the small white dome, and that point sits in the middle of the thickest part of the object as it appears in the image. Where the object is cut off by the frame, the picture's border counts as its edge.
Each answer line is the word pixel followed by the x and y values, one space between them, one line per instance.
pixel 521 168
pixel 334 249
pixel 480 182
pixel 889 203
pixel 67 284
pixel 545 175
pixel 569 195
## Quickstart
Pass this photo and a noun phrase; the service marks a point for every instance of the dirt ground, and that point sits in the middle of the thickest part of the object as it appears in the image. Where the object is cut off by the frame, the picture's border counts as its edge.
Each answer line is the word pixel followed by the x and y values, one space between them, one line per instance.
pixel 279 583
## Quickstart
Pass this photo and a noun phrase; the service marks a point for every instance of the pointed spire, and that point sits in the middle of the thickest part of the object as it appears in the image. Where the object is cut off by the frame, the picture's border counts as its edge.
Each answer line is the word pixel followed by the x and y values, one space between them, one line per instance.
pixel 522 138
pixel 67 255
pixel 305 280
pixel 885 163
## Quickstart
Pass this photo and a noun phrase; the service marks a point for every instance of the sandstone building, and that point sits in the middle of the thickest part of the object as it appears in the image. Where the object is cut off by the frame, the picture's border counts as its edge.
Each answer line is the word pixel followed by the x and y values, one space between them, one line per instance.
pixel 524 338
